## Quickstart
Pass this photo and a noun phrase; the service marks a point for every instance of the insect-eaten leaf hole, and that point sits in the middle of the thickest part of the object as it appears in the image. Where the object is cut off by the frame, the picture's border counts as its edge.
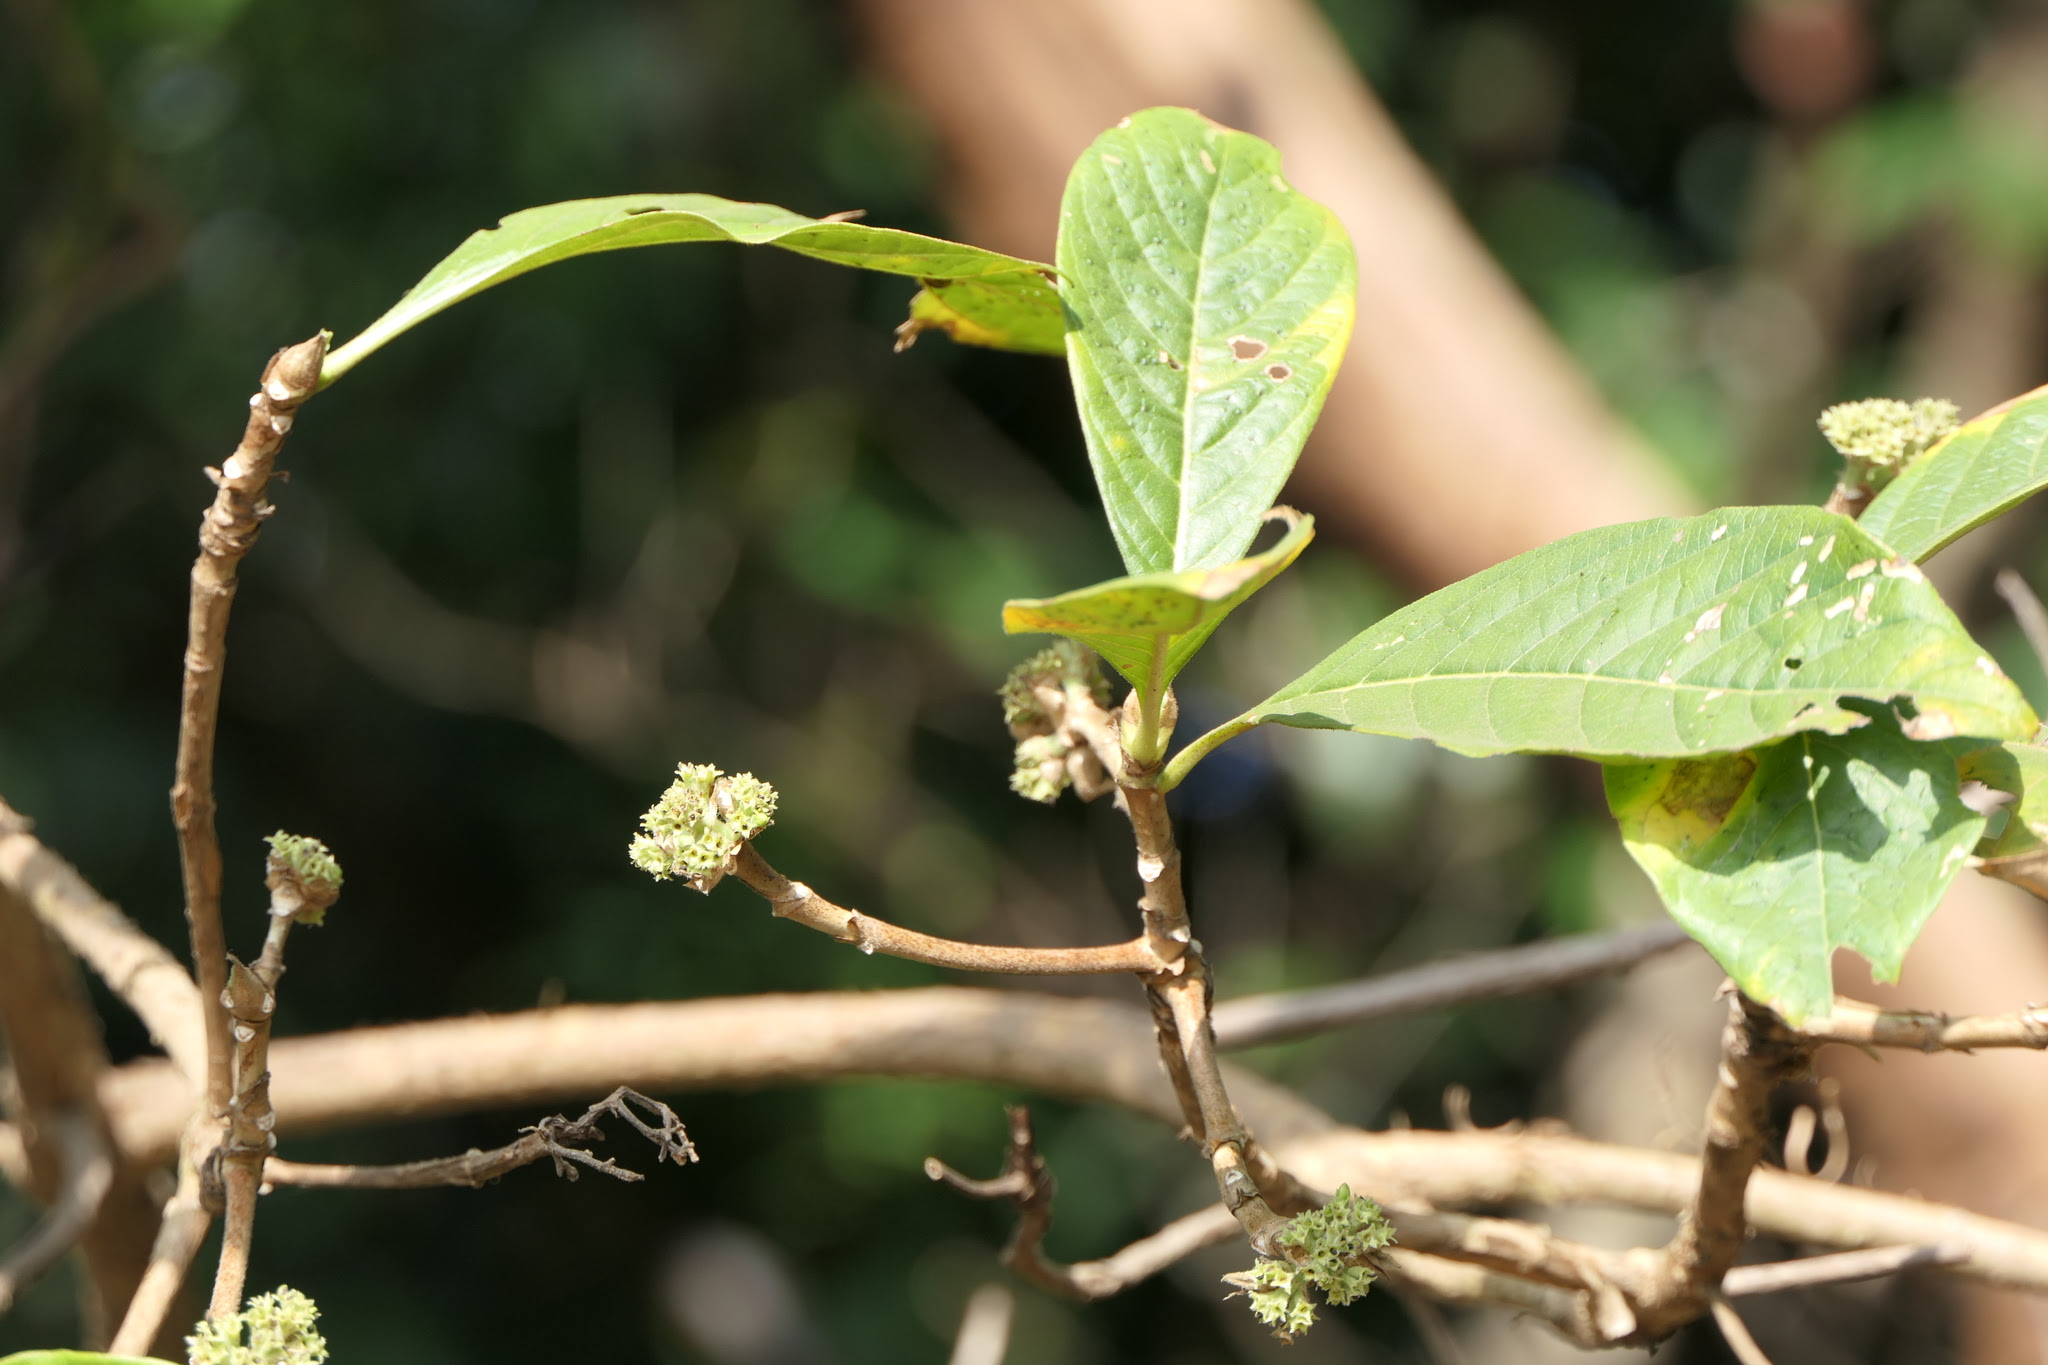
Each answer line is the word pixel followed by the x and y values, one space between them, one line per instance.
pixel 1279 373
pixel 1794 664
pixel 1248 348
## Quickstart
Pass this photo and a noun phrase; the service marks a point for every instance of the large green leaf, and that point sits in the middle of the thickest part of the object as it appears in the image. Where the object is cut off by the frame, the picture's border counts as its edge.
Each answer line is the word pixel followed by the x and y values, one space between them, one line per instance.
pixel 1211 304
pixel 1775 857
pixel 1129 620
pixel 1664 639
pixel 1987 467
pixel 980 297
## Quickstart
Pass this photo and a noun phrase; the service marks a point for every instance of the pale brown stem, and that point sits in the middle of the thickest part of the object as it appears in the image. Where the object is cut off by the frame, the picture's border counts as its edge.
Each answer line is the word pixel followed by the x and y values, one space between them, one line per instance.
pixel 1255 1020
pixel 178 1237
pixel 1462 1282
pixel 794 901
pixel 1841 1267
pixel 551 1138
pixel 1852 1021
pixel 226 533
pixel 86 1173
pixel 1224 1139
pixel 135 966
pixel 984 1336
pixel 1025 1182
pixel 1164 904
pixel 1736 1333
pixel 56 1062
pixel 2027 610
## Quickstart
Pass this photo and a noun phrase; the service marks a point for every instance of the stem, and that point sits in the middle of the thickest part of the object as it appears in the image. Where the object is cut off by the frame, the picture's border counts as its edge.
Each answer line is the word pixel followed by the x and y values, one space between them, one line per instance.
pixel 226 533
pixel 1148 745
pixel 794 901
pixel 1184 762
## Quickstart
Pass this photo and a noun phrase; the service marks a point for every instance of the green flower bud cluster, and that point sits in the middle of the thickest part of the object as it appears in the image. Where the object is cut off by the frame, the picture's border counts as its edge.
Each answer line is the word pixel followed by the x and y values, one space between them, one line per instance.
pixel 1879 437
pixel 1069 669
pixel 696 827
pixel 279 1331
pixel 1329 1247
pixel 301 868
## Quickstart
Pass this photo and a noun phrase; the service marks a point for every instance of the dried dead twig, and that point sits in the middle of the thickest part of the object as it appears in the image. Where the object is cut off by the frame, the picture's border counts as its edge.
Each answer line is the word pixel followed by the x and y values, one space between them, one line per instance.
pixel 1736 1333
pixel 1841 1267
pixel 86 1174
pixel 1254 1020
pixel 984 1336
pixel 226 534
pixel 184 1225
pixel 554 1138
pixel 1026 1183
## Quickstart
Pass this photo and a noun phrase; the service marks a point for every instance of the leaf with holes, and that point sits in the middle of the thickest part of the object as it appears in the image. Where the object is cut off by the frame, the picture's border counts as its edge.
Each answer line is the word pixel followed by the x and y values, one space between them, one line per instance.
pixel 980 297
pixel 1129 620
pixel 1664 639
pixel 1988 466
pixel 2018 851
pixel 1210 304
pixel 1775 857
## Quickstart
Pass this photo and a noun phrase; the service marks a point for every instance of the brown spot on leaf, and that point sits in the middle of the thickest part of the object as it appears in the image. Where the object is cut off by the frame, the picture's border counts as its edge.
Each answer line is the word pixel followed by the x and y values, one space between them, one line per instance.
pixel 1708 789
pixel 1279 373
pixel 1247 348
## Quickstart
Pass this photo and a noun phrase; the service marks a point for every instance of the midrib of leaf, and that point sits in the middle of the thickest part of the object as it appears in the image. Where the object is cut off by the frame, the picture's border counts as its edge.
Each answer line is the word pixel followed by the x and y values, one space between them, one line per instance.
pixel 1187 388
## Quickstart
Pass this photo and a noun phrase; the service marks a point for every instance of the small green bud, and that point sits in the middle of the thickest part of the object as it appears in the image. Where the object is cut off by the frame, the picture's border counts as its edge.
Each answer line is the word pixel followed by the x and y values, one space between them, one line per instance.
pixel 1041 773
pixel 1879 437
pixel 1328 1247
pixel 1066 664
pixel 303 873
pixel 279 1329
pixel 696 827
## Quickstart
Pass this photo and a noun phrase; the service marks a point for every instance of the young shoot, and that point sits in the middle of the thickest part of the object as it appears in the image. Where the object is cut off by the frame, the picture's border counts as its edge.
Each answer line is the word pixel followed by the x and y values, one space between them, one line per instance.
pixel 693 831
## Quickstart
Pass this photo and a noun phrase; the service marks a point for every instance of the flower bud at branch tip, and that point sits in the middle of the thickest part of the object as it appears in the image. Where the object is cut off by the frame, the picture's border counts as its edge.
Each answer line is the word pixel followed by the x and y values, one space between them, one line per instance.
pixel 303 876
pixel 694 831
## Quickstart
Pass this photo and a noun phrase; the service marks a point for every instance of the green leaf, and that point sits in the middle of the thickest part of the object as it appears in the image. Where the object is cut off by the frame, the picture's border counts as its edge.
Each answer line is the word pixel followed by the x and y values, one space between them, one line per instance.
pixel 1124 619
pixel 1990 465
pixel 1211 304
pixel 2020 771
pixel 982 297
pixel 1664 639
pixel 1775 857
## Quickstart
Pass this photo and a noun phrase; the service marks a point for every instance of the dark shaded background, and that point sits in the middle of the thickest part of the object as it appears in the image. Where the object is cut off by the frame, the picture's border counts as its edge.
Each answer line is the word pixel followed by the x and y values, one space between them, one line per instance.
pixel 687 504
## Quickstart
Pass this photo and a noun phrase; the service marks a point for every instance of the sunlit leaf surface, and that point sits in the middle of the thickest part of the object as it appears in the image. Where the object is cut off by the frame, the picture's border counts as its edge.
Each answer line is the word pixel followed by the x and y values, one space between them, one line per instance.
pixel 1122 619
pixel 1210 305
pixel 1990 465
pixel 1774 858
pixel 1665 638
pixel 982 298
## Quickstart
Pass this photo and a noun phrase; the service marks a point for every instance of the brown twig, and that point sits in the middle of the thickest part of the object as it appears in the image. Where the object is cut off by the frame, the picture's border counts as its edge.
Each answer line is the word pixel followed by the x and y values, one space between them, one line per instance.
pixel 1254 1020
pixel 1852 1021
pixel 2027 610
pixel 1841 1267
pixel 1028 1186
pixel 86 1174
pixel 984 1336
pixel 1736 1333
pixel 135 966
pixel 56 1062
pixel 226 533
pixel 551 1138
pixel 178 1236
pixel 793 900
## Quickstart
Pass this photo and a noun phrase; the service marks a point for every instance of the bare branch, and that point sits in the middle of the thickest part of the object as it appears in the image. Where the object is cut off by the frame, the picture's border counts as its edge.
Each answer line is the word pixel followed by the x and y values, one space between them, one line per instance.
pixel 1448 1281
pixel 551 1137
pixel 178 1237
pixel 1808 1272
pixel 984 1337
pixel 1026 1183
pixel 226 534
pixel 1085 1049
pixel 2027 610
pixel 1852 1021
pixel 135 966
pixel 88 1173
pixel 1254 1020
pixel 795 901
pixel 1733 1330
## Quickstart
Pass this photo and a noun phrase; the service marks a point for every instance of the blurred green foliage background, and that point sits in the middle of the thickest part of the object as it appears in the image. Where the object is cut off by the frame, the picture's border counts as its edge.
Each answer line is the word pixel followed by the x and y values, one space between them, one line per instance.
pixel 687 504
